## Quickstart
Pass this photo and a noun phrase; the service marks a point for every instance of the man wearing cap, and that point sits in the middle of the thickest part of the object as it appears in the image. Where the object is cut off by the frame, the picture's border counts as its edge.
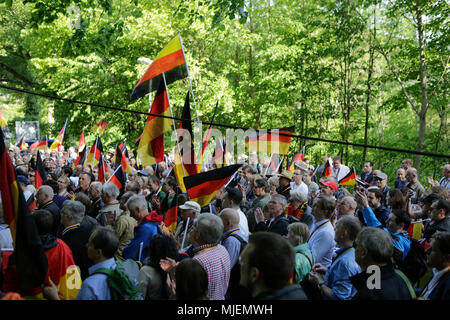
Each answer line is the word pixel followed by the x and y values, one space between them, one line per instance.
pixel 284 182
pixel 381 180
pixel 24 182
pixel 190 209
pixel 440 220
pixel 328 188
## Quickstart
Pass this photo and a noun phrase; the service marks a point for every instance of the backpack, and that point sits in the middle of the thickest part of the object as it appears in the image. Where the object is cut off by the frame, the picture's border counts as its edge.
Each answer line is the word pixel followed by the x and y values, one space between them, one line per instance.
pixel 414 266
pixel 235 273
pixel 123 281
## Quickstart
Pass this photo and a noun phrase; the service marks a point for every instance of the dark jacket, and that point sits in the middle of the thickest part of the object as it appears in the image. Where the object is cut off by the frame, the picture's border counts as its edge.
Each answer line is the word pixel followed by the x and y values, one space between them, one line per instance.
pixel 442 289
pixel 430 229
pixel 54 210
pixel 96 205
pixel 368 177
pixel 392 286
pixel 382 213
pixel 77 239
pixel 292 292
pixel 279 225
pixel 285 191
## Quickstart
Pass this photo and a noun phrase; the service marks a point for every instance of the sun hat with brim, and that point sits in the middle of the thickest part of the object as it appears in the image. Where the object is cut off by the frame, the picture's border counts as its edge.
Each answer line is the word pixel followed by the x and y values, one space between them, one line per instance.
pixel 286 174
pixel 381 176
pixel 330 184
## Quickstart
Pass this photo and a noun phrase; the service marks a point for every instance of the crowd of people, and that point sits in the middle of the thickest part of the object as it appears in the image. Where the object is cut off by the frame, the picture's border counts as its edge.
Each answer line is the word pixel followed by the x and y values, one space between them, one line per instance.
pixel 266 235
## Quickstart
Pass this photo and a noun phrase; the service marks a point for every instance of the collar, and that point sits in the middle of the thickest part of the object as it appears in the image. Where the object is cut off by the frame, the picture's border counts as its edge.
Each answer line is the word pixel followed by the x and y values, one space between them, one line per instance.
pixel 104 264
pixel 317 223
pixel 340 250
pixel 46 204
pixel 204 247
pixel 72 227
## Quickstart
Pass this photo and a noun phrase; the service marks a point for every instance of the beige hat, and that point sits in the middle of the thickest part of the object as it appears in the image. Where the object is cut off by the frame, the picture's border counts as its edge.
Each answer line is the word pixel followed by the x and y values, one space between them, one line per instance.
pixel 286 174
pixel 301 165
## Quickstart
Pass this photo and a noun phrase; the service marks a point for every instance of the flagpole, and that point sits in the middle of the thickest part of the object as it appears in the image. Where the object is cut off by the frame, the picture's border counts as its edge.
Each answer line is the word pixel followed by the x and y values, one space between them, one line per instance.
pixel 185 233
pixel 95 151
pixel 270 160
pixel 113 174
pixel 189 76
pixel 280 163
pixel 174 126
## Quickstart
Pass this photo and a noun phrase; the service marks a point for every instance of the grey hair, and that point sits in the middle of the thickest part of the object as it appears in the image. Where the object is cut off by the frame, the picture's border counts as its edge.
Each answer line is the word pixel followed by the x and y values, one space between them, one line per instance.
pixel 351 201
pixel 97 186
pixel 74 209
pixel 273 180
pixel 47 190
pixel 210 227
pixel 351 224
pixel 136 201
pixel 298 195
pixel 328 204
pixel 377 242
pixel 111 190
pixel 300 231
pixel 281 199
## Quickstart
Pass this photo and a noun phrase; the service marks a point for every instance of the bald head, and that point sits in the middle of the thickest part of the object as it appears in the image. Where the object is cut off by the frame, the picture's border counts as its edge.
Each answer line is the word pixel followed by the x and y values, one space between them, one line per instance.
pixel 230 219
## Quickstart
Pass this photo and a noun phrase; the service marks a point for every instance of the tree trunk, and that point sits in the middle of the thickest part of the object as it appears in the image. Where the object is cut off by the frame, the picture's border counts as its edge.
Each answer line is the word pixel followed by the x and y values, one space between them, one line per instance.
pixel 423 84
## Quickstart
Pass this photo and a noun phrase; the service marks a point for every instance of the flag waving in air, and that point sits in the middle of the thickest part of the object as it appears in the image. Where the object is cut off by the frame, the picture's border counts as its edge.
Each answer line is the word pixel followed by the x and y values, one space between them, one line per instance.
pixel 81 144
pixel 40 144
pixel 349 179
pixel 298 157
pixel 170 61
pixel 59 139
pixel 95 153
pixel 40 172
pixel 120 159
pixel 189 161
pixel 270 140
pixel 151 145
pixel 22 144
pixel 100 127
pixel 202 187
pixel 118 178
pixel 327 169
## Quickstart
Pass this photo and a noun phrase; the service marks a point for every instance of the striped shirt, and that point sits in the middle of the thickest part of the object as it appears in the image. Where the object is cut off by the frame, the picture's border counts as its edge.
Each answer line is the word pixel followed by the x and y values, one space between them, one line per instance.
pixel 216 262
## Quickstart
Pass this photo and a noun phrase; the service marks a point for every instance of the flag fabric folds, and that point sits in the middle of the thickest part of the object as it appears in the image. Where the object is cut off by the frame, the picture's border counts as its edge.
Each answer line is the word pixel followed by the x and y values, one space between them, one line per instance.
pixel 219 154
pixel 30 260
pixel 327 169
pixel 202 187
pixel 81 144
pixel 80 160
pixel 151 145
pixel 170 61
pixel 349 179
pixel 40 172
pixel 118 178
pixel 102 169
pixel 100 127
pixel 120 159
pixel 270 140
pixel 3 121
pixel 59 139
pixel 170 219
pixel 298 157
pixel 95 153
pixel 22 144
pixel 189 161
pixel 39 145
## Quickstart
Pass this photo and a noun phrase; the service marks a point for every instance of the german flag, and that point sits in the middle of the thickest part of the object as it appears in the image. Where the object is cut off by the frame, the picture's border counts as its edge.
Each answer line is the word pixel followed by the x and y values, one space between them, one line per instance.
pixel 40 172
pixel 100 127
pixel 202 187
pixel 59 139
pixel 120 159
pixel 81 144
pixel 118 178
pixel 189 161
pixel 327 169
pixel 170 218
pixel 219 154
pixel 29 256
pixel 349 179
pixel 270 141
pixel 80 159
pixel 102 170
pixel 298 157
pixel 39 145
pixel 415 230
pixel 151 145
pixel 3 121
pixel 95 153
pixel 21 144
pixel 170 61
pixel 208 135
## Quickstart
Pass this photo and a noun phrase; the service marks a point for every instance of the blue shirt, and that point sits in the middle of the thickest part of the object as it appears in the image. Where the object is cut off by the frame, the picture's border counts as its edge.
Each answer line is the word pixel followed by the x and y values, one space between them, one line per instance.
pixel 400 239
pixel 321 242
pixel 232 245
pixel 143 233
pixel 95 287
pixel 337 276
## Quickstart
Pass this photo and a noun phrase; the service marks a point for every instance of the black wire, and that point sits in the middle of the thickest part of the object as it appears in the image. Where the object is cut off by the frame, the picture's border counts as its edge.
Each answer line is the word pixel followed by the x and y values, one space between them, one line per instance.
pixel 361 145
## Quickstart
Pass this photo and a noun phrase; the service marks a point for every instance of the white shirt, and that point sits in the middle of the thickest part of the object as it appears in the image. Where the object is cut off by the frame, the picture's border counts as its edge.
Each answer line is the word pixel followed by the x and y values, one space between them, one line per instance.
pixel 340 172
pixel 303 187
pixel 321 242
pixel 243 224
